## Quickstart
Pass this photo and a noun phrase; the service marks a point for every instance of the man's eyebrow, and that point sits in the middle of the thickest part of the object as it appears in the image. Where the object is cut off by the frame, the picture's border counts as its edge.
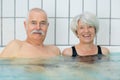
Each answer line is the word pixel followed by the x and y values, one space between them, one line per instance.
pixel 43 21
pixel 33 21
pixel 40 21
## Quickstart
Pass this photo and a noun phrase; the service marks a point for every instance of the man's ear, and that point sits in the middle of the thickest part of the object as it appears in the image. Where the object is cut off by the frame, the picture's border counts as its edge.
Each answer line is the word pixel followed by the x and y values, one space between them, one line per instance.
pixel 48 24
pixel 25 25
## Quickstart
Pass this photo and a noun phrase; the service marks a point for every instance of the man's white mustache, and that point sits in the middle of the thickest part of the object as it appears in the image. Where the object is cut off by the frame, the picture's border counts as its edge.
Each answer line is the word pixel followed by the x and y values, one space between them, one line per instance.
pixel 37 32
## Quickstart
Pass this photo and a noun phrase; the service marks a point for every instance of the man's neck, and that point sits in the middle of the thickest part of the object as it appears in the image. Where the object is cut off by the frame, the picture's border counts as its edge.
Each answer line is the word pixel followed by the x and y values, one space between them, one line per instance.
pixel 35 42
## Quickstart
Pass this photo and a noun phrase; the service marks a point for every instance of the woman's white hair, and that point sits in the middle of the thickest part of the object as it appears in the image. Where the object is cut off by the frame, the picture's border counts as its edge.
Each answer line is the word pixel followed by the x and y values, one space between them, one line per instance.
pixel 86 18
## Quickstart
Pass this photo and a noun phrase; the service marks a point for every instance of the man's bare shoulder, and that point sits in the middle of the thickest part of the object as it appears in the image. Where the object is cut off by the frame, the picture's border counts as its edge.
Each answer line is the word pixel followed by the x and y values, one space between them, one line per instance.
pixel 54 48
pixel 67 52
pixel 11 48
pixel 15 42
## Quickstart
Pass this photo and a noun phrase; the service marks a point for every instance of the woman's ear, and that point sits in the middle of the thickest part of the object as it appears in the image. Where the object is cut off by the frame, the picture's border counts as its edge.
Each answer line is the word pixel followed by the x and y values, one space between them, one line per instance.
pixel 77 34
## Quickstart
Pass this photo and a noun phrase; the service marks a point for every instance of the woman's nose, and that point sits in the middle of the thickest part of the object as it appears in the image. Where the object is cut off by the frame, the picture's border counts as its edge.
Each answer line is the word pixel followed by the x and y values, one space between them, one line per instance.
pixel 86 29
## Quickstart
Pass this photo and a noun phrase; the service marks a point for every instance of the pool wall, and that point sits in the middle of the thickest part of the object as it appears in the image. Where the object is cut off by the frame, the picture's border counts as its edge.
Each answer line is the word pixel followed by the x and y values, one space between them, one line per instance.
pixel 111 48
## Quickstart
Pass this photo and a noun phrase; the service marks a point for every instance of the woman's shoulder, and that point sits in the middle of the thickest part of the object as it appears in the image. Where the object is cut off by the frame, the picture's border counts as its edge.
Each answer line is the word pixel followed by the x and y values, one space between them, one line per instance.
pixel 105 50
pixel 67 52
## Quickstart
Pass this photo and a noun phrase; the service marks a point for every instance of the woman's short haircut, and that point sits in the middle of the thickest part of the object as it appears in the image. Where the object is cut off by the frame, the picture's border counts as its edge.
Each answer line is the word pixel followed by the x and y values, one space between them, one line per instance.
pixel 86 18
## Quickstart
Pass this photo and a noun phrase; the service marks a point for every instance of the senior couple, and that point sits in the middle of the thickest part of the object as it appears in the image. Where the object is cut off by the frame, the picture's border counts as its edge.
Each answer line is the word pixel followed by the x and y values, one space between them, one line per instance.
pixel 85 26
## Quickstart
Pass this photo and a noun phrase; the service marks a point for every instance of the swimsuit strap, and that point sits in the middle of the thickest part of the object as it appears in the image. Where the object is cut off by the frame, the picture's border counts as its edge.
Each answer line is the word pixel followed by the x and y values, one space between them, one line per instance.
pixel 74 51
pixel 99 50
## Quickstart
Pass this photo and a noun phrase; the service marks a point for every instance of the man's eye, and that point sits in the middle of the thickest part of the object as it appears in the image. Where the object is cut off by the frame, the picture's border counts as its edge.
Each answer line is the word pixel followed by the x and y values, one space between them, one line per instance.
pixel 43 23
pixel 33 23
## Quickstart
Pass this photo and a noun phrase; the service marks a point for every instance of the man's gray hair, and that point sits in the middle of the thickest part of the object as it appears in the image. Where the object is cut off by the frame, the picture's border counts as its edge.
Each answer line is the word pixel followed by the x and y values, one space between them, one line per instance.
pixel 37 10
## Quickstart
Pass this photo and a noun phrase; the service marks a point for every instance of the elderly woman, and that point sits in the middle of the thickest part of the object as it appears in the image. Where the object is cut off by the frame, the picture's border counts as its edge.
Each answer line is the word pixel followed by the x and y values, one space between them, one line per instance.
pixel 85 27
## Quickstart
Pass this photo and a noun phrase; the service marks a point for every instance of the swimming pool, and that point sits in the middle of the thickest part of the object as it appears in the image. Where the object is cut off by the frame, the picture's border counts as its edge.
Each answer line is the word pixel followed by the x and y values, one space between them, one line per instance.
pixel 60 68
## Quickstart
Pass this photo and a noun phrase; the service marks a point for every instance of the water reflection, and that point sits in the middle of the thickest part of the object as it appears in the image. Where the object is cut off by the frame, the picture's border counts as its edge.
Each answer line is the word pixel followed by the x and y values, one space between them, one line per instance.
pixel 61 68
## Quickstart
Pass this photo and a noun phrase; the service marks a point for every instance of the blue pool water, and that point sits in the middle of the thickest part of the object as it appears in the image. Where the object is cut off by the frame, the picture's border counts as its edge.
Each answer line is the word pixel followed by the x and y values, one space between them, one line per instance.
pixel 60 68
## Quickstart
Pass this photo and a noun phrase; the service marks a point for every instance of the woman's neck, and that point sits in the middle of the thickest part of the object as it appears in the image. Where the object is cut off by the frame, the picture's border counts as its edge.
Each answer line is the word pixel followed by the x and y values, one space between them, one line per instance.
pixel 87 48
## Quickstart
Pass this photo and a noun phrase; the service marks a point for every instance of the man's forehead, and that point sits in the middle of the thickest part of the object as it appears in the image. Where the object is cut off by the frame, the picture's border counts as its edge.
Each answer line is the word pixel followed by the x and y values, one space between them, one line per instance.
pixel 37 13
pixel 38 21
pixel 37 18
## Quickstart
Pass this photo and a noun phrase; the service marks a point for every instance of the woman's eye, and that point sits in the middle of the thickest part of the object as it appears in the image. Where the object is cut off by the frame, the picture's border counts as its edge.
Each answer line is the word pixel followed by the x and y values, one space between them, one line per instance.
pixel 81 27
pixel 90 27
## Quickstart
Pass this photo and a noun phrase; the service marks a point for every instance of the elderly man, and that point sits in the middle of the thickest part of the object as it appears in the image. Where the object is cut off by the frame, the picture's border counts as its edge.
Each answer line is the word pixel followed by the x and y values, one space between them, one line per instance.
pixel 36 26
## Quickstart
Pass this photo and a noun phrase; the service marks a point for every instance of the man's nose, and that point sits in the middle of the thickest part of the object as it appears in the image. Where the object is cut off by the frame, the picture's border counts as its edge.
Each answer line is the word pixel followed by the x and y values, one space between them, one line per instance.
pixel 38 26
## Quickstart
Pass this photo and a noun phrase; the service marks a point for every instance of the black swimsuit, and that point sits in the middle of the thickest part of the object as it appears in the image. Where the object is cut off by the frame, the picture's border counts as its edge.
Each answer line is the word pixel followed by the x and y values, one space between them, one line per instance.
pixel 75 53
